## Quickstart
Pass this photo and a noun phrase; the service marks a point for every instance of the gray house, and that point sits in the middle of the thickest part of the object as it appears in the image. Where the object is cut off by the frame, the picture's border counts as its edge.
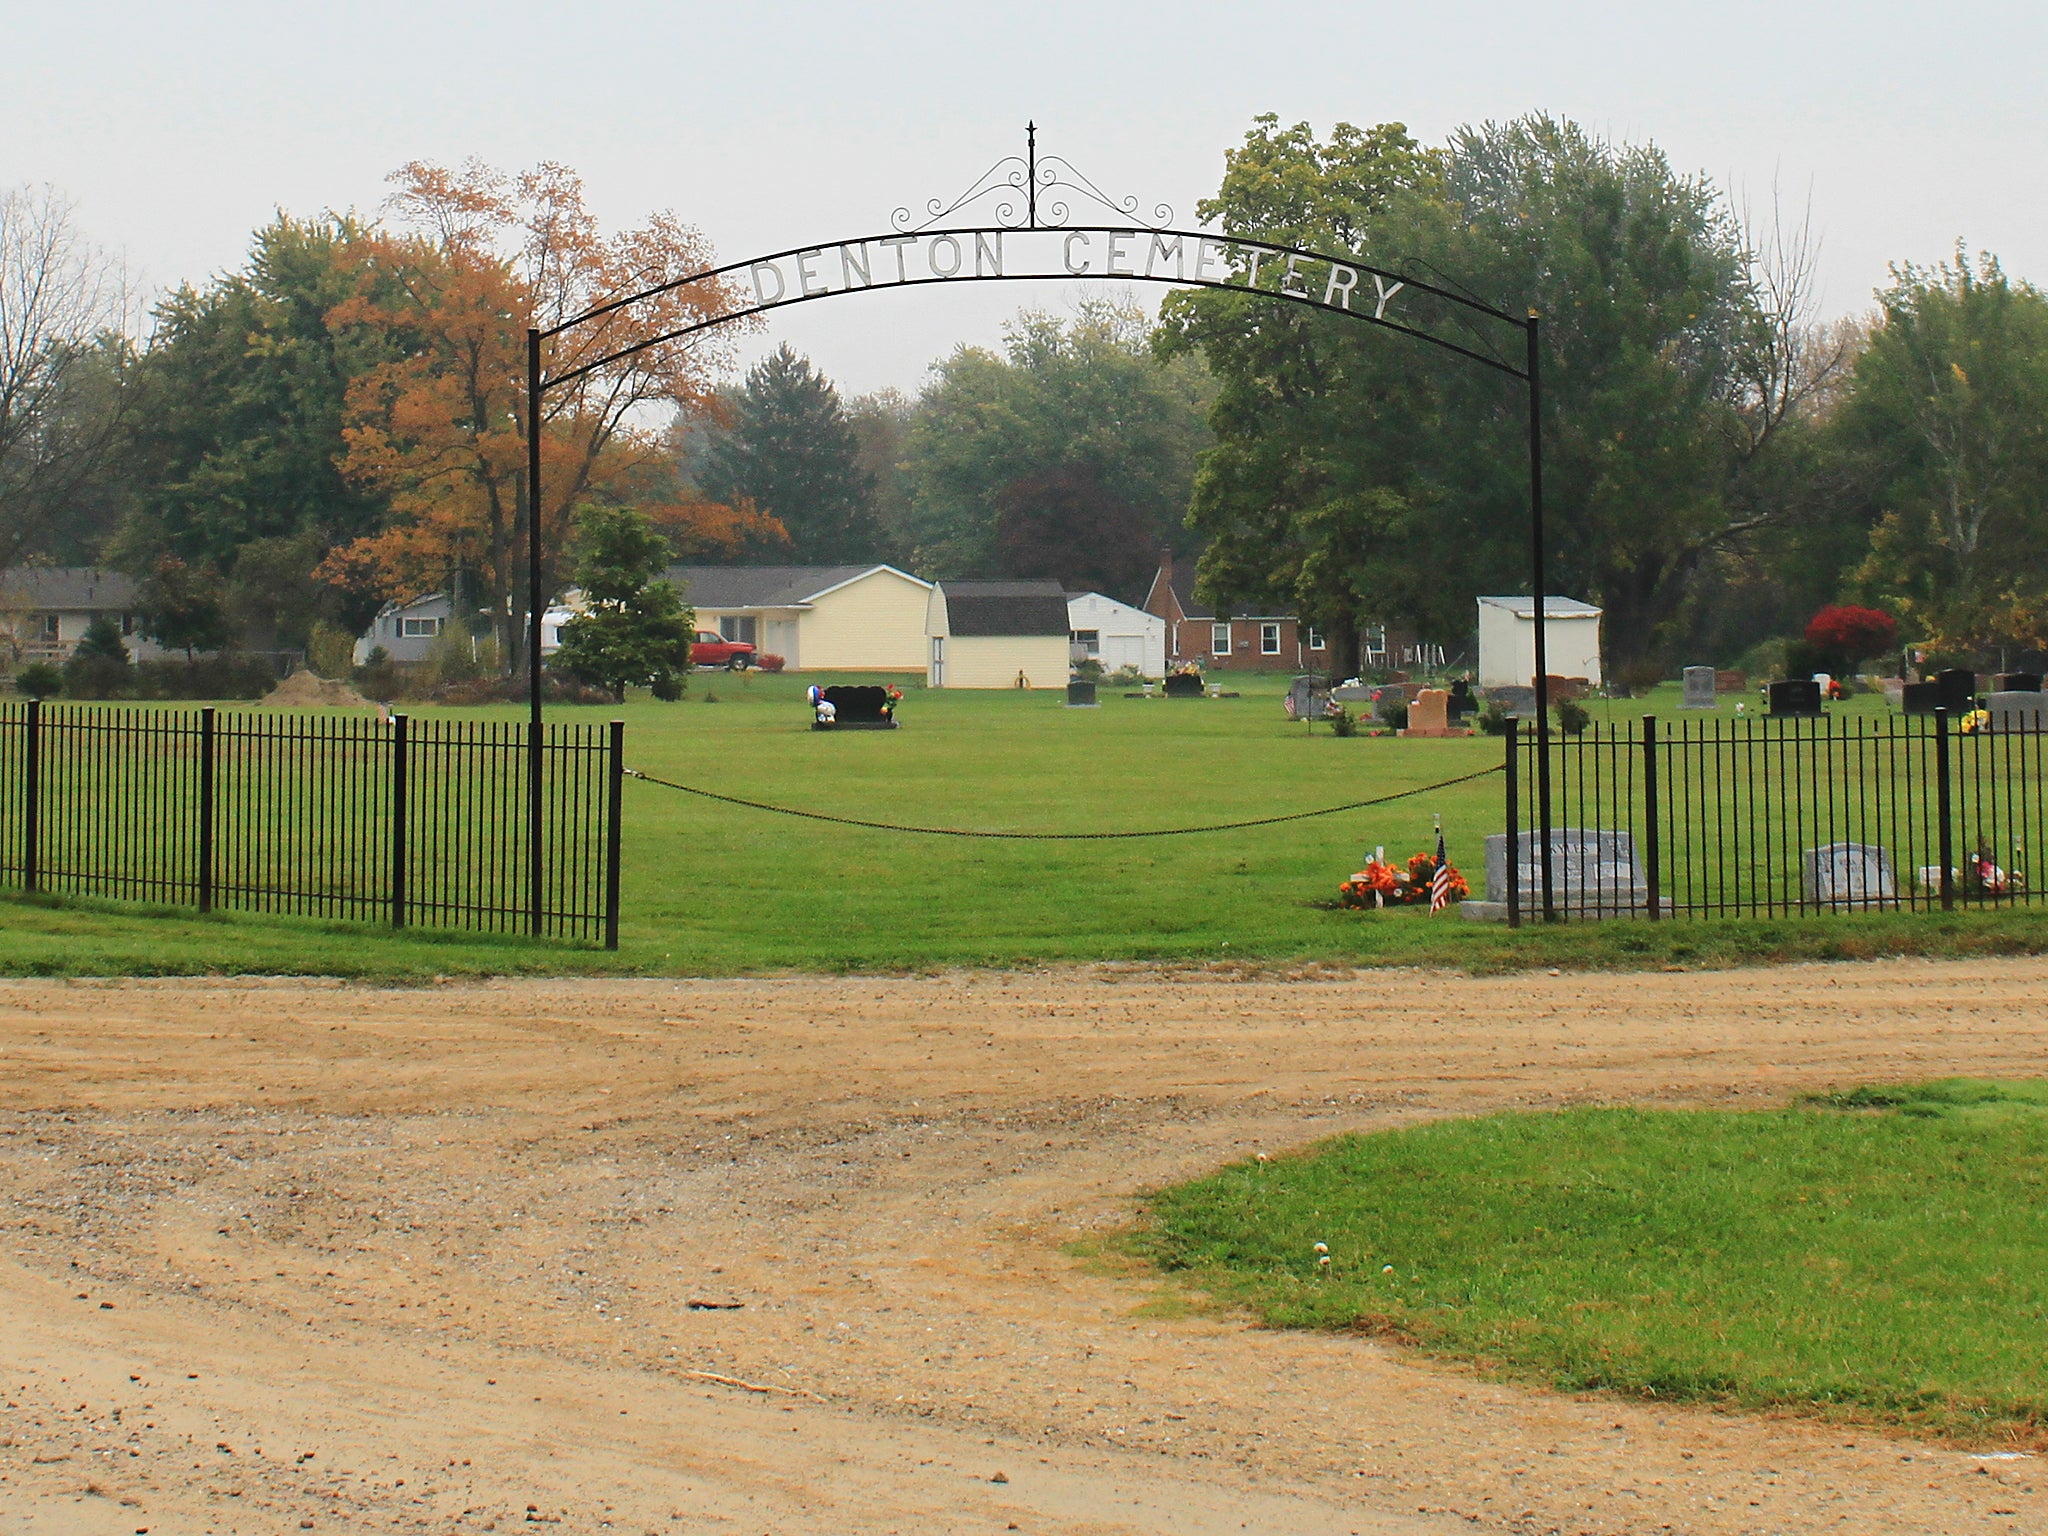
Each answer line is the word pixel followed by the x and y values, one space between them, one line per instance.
pixel 44 611
pixel 407 631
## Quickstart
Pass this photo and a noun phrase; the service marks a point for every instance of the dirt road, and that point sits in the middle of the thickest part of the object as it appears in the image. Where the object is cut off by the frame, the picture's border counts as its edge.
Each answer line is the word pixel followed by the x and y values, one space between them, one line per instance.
pixel 788 1255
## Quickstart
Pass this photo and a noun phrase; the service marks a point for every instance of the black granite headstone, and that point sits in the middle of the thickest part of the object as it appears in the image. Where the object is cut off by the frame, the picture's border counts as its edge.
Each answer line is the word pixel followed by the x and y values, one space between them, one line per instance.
pixel 1958 687
pixel 1798 696
pixel 1182 685
pixel 2018 682
pixel 1920 698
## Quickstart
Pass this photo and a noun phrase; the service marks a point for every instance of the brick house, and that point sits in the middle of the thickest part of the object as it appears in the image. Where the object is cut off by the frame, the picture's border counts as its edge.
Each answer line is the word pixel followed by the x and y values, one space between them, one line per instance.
pixel 1253 642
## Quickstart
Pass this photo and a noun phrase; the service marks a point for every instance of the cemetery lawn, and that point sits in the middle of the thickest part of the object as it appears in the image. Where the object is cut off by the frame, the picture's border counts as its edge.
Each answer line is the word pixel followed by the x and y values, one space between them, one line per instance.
pixel 715 889
pixel 1880 1256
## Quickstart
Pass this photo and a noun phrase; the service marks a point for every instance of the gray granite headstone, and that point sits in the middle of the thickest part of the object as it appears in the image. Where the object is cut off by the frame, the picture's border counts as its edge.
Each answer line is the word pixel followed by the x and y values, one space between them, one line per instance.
pixel 1848 875
pixel 2018 712
pixel 1519 702
pixel 1699 689
pixel 1593 873
pixel 1352 693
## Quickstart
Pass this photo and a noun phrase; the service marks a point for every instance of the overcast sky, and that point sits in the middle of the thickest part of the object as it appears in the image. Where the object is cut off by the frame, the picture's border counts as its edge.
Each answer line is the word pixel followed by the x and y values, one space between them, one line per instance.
pixel 177 128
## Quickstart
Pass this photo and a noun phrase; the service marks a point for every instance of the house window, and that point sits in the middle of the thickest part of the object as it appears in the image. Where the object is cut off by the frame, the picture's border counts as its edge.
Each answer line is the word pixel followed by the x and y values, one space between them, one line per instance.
pixel 1315 639
pixel 46 625
pixel 1089 640
pixel 416 629
pixel 1269 639
pixel 127 623
pixel 737 627
pixel 1219 639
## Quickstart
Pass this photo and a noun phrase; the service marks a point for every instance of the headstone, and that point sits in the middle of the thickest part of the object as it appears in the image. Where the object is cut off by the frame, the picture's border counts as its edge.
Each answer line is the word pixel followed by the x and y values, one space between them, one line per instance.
pixel 1080 693
pixel 2018 712
pixel 1429 713
pixel 1844 875
pixel 1795 697
pixel 2019 682
pixel 1183 685
pixel 1519 702
pixel 1352 693
pixel 1699 689
pixel 1593 873
pixel 1308 698
pixel 1894 690
pixel 1958 687
pixel 1462 702
pixel 1920 698
pixel 1731 681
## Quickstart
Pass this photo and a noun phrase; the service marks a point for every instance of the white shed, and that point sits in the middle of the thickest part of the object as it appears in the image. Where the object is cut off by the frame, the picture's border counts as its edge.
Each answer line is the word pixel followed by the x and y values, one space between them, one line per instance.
pixel 1507 640
pixel 1102 629
pixel 996 634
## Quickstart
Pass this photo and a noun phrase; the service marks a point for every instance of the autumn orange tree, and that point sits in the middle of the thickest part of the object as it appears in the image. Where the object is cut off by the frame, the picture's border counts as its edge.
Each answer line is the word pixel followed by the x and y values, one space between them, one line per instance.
pixel 474 258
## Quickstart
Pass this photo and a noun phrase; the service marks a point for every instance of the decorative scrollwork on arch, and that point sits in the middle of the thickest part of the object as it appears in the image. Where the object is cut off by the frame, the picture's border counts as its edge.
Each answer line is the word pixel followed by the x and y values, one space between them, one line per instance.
pixel 1025 188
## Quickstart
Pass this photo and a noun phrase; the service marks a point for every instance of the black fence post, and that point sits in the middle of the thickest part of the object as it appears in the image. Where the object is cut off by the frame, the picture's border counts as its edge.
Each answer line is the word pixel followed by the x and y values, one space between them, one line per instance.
pixel 612 839
pixel 1514 845
pixel 1652 849
pixel 206 743
pixel 32 797
pixel 1945 809
pixel 399 767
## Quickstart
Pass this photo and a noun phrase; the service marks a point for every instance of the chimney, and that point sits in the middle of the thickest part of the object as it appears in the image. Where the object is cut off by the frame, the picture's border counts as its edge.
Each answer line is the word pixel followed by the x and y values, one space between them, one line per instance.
pixel 1166 566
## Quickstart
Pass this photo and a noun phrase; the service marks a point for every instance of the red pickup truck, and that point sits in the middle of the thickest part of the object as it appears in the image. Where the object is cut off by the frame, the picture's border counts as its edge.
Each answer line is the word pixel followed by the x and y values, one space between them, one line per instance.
pixel 709 650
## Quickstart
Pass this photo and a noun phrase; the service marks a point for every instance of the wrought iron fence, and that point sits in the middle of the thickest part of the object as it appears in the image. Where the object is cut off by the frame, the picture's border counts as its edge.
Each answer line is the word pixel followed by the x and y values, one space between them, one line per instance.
pixel 1770 816
pixel 402 821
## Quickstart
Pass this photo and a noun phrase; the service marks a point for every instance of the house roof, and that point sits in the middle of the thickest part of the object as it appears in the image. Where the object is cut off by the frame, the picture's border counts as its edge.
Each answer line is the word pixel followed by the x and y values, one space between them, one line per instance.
pixel 766 586
pixel 65 587
pixel 1553 607
pixel 1005 607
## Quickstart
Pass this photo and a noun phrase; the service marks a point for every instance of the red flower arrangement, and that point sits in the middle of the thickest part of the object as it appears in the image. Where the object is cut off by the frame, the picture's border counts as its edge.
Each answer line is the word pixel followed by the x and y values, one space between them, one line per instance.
pixel 1379 884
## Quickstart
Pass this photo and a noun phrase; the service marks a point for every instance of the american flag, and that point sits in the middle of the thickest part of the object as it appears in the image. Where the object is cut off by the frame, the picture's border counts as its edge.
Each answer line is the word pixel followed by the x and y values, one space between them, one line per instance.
pixel 1440 881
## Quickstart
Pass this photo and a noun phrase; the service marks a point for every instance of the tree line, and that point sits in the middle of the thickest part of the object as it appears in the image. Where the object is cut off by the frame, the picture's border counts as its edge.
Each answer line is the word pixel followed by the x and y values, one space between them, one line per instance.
pixel 339 421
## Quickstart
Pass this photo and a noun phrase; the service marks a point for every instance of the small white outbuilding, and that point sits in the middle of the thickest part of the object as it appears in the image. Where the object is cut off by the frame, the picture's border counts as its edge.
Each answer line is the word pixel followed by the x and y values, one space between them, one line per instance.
pixel 1507 640
pixel 1100 628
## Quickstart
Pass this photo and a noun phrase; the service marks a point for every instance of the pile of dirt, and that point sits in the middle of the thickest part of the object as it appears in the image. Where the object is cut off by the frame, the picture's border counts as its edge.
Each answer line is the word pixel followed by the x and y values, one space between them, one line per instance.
pixel 308 690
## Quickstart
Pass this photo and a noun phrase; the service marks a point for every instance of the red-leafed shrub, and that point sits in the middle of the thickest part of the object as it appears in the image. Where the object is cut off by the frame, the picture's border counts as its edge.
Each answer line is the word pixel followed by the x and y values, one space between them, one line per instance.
pixel 1851 634
pixel 769 662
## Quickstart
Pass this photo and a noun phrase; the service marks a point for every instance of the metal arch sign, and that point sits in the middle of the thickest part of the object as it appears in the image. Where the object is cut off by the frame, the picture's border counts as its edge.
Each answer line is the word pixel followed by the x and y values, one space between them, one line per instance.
pixel 1140 253
pixel 1030 240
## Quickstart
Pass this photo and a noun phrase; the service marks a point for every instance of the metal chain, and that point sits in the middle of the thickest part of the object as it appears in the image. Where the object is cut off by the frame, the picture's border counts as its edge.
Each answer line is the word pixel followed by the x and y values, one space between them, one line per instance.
pixel 1061 837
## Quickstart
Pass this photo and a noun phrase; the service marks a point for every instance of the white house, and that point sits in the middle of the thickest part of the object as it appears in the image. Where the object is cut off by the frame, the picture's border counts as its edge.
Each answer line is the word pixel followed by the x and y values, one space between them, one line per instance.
pixel 1116 634
pixel 406 631
pixel 1507 640
pixel 817 618
pixel 997 634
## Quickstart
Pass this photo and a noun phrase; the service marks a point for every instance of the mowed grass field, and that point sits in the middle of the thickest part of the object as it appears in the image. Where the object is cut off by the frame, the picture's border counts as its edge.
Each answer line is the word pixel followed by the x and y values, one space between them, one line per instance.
pixel 1882 1255
pixel 712 888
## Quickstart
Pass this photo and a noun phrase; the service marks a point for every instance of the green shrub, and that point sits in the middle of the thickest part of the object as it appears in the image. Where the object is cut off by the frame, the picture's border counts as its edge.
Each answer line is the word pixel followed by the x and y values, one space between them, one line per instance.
pixel 1572 718
pixel 1393 710
pixel 1342 723
pixel 39 680
pixel 1493 719
pixel 330 650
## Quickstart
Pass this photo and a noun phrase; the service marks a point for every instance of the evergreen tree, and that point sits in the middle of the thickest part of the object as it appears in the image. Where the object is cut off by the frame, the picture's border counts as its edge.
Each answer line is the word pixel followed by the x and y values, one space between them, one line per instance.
pixel 791 452
pixel 635 628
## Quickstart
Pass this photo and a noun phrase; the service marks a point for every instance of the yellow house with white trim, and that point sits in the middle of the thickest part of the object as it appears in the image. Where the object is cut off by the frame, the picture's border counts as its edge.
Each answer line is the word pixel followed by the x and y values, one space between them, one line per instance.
pixel 817 618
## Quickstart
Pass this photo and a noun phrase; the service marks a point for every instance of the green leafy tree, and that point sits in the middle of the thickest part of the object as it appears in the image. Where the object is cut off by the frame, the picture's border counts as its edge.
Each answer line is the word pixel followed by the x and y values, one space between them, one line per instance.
pixel 1078 414
pixel 791 453
pixel 635 628
pixel 1360 477
pixel 184 607
pixel 238 410
pixel 1947 415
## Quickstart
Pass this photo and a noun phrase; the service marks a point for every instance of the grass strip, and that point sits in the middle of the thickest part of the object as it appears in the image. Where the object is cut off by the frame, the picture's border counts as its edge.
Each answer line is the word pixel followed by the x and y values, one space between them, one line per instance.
pixel 45 936
pixel 1879 1255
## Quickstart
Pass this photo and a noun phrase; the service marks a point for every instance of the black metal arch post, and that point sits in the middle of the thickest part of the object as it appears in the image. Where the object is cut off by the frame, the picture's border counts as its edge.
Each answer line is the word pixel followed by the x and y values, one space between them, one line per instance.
pixel 1030 175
